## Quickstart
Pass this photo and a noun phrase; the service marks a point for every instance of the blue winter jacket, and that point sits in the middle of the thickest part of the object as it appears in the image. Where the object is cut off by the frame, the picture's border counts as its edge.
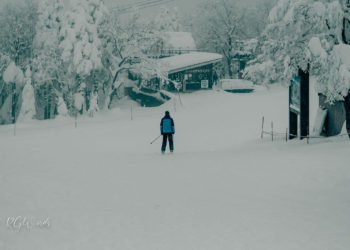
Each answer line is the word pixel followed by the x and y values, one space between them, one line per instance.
pixel 167 125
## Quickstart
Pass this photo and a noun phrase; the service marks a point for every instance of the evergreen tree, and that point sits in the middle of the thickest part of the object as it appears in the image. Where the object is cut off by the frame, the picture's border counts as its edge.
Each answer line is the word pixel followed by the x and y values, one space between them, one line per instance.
pixel 17 31
pixel 48 70
pixel 81 45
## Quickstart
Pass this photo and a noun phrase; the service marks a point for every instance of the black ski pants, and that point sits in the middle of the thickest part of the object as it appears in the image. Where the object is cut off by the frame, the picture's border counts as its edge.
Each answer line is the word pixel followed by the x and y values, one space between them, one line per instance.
pixel 168 137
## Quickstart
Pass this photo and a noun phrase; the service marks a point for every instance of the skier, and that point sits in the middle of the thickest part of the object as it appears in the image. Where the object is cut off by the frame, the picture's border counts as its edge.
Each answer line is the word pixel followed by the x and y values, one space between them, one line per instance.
pixel 167 129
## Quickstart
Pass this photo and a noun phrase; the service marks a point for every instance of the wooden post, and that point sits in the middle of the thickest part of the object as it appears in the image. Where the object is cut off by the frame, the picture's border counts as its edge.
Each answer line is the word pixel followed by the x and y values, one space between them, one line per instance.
pixel 14 124
pixel 14 107
pixel 76 120
pixel 178 92
pixel 272 131
pixel 262 127
pixel 286 134
pixel 304 102
pixel 131 112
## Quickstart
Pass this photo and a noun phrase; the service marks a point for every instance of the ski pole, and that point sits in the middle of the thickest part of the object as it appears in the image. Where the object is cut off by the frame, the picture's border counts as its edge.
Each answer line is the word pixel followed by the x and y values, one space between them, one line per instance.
pixel 156 139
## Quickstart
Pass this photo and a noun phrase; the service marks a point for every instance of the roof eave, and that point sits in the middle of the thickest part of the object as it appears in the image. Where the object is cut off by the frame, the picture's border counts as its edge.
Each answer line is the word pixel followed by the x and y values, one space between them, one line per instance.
pixel 194 66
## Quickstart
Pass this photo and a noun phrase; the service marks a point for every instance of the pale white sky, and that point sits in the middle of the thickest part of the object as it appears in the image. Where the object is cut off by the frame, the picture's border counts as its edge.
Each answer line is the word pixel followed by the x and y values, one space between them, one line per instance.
pixel 184 6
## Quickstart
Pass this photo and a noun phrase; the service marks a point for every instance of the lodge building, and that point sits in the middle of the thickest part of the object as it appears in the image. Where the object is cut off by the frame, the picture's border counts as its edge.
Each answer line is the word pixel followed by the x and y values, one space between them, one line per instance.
pixel 191 71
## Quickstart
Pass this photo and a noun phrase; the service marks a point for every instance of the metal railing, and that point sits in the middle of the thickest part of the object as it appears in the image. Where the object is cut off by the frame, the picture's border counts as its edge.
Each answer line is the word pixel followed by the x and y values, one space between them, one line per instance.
pixel 286 135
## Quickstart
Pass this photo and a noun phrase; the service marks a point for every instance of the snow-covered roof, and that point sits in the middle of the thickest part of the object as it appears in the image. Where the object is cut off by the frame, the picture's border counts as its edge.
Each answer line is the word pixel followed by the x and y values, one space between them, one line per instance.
pixel 179 41
pixel 191 60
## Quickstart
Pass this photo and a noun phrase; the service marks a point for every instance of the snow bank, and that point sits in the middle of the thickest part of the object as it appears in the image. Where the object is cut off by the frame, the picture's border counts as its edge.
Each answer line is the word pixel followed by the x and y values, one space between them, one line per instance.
pixel 236 84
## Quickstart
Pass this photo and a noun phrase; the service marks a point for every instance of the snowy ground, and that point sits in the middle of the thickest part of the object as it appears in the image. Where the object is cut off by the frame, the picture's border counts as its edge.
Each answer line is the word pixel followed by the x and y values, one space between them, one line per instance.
pixel 103 186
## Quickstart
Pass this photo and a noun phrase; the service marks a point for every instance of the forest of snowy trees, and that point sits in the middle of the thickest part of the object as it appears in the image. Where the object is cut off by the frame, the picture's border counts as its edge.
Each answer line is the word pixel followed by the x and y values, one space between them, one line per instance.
pixel 65 60
pixel 302 34
pixel 69 59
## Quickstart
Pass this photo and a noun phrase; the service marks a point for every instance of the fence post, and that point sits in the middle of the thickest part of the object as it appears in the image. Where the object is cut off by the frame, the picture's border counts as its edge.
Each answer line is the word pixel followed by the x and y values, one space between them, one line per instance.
pixel 178 92
pixel 131 112
pixel 272 131
pixel 76 120
pixel 286 134
pixel 14 129
pixel 262 127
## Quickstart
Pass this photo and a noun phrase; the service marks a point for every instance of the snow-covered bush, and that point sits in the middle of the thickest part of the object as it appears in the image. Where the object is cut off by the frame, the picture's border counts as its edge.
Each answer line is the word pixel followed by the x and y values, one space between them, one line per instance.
pixel 13 81
pixel 13 75
pixel 79 102
pixel 93 104
pixel 27 111
pixel 62 107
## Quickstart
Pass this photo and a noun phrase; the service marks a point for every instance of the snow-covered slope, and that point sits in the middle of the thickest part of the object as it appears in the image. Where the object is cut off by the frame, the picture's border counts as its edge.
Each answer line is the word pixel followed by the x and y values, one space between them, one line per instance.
pixel 103 186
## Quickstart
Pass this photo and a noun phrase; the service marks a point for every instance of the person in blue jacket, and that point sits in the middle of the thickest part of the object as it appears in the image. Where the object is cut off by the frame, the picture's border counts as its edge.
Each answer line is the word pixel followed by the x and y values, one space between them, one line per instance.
pixel 167 129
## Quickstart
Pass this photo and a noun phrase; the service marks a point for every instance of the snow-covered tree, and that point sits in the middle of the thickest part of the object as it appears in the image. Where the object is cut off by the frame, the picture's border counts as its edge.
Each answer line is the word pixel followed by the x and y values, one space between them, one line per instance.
pixel 27 111
pixel 126 46
pixel 48 70
pixel 284 44
pixel 14 80
pixel 4 91
pixel 17 30
pixel 4 62
pixel 13 75
pixel 62 107
pixel 219 24
pixel 80 43
pixel 167 20
pixel 93 104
